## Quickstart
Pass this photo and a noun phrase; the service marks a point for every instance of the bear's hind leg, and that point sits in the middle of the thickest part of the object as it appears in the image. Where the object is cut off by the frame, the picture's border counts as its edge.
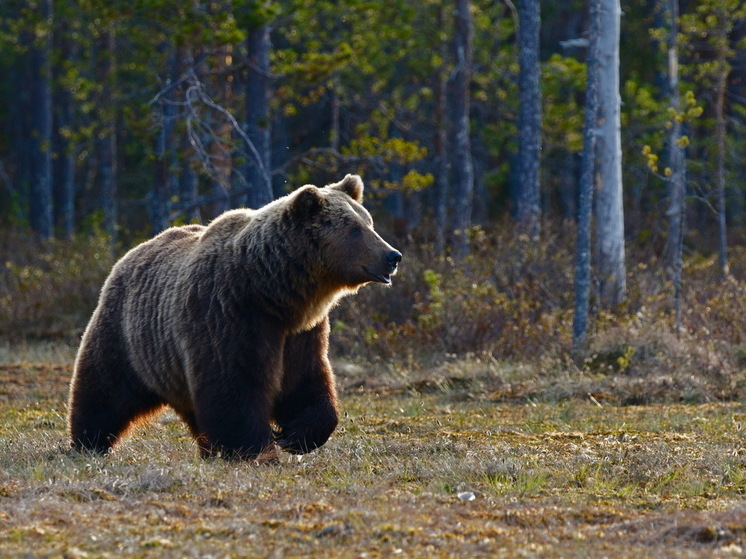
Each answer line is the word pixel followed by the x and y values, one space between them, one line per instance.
pixel 105 399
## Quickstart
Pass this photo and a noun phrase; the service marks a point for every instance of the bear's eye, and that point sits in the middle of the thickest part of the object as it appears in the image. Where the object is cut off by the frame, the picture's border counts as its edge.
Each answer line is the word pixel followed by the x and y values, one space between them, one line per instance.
pixel 356 231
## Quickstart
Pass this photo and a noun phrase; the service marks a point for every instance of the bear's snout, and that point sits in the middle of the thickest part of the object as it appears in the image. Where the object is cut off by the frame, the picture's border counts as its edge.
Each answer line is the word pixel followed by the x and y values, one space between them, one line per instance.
pixel 393 259
pixel 385 266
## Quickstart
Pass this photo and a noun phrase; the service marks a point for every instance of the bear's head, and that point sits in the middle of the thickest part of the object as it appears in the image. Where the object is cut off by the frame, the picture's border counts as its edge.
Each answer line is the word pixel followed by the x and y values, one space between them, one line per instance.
pixel 340 229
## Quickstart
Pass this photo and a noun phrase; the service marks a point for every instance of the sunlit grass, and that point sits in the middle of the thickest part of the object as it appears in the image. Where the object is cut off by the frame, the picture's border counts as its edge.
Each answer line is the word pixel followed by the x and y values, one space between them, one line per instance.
pixel 36 351
pixel 451 471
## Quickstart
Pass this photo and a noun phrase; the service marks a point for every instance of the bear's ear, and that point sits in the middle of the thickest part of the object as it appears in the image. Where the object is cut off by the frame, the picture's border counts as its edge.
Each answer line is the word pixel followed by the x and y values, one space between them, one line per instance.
pixel 307 202
pixel 352 185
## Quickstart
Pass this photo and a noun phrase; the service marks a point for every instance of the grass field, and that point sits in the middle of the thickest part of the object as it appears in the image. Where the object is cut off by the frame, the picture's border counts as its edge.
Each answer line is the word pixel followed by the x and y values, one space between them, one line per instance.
pixel 477 459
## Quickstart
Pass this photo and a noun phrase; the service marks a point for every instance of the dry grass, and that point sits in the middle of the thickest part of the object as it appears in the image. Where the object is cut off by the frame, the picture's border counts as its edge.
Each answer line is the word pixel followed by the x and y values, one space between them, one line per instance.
pixel 477 458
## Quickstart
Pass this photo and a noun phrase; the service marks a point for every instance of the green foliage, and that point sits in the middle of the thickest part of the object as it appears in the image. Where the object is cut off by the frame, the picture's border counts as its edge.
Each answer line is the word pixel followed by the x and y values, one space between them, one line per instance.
pixel 646 106
pixel 708 38
pixel 562 119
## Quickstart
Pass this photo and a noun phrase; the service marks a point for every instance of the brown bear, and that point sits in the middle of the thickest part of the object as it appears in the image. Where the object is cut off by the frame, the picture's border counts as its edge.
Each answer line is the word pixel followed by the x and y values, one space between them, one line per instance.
pixel 228 324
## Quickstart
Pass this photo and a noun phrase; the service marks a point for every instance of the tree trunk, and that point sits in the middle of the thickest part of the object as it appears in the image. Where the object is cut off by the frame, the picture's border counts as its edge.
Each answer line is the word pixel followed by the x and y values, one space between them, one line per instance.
pixel 334 129
pixel 159 195
pixel 19 120
pixel 720 135
pixel 188 183
pixel 439 144
pixel 677 178
pixel 587 172
pixel 64 168
pixel 529 119
pixel 258 169
pixel 220 154
pixel 107 138
pixel 164 180
pixel 40 144
pixel 63 164
pixel 462 164
pixel 609 205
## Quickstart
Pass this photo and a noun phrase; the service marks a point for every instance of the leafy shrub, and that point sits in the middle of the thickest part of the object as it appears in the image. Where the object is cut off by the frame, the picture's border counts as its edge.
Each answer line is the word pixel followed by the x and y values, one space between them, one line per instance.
pixel 509 297
pixel 50 288
pixel 513 300
pixel 510 300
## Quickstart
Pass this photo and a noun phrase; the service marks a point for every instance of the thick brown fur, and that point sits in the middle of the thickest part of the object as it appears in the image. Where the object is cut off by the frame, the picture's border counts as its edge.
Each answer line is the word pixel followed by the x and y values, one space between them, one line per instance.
pixel 228 324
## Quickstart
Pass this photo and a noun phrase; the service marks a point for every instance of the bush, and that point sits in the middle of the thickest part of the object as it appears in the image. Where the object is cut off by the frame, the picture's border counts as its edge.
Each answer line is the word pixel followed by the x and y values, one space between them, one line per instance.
pixel 50 288
pixel 509 297
pixel 510 300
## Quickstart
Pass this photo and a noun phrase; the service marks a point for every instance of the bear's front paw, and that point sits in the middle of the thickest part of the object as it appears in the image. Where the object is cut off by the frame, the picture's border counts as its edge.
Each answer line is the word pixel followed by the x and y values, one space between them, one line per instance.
pixel 297 444
pixel 302 437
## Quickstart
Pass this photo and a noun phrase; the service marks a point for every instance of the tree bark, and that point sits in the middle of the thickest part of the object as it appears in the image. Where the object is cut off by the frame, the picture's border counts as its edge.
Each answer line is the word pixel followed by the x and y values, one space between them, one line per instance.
pixel 40 144
pixel 258 169
pixel 159 214
pixel 439 143
pixel 221 143
pixel 64 168
pixel 720 135
pixel 677 178
pixel 107 137
pixel 587 172
pixel 63 164
pixel 188 183
pixel 529 119
pixel 163 178
pixel 462 164
pixel 609 205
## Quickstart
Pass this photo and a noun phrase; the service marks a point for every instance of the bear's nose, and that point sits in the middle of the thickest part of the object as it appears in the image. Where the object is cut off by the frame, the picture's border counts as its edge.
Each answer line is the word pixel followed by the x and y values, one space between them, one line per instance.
pixel 393 259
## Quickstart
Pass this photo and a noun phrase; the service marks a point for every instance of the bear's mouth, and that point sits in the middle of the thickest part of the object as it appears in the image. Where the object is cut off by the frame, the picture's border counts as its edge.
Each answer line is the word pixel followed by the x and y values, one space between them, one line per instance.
pixel 380 278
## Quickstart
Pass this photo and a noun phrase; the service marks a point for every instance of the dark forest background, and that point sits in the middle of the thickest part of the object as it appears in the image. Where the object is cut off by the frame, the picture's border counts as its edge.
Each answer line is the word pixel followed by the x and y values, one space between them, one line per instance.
pixel 121 118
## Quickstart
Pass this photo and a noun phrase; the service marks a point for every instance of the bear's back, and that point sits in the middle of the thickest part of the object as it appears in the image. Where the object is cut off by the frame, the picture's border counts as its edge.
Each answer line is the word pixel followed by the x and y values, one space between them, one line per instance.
pixel 226 226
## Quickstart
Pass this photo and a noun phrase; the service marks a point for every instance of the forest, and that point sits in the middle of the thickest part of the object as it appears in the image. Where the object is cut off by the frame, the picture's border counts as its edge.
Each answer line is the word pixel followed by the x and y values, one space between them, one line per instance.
pixel 471 123
pixel 559 368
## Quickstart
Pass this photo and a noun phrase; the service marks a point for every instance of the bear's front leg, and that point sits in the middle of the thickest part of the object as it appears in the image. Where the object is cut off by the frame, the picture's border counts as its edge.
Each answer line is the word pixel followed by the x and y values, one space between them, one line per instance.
pixel 306 409
pixel 232 394
pixel 233 424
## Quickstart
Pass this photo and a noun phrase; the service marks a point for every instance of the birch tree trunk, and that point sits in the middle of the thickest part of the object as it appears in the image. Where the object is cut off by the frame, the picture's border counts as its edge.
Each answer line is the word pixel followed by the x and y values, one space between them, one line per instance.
pixel 587 171
pixel 258 120
pixel 529 118
pixel 676 163
pixel 722 69
pixel 40 141
pixel 462 164
pixel 609 204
